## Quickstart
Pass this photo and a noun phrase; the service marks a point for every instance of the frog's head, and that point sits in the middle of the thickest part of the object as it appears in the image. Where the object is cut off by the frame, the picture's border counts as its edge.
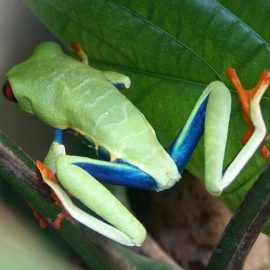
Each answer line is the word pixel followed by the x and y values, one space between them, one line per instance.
pixel 8 93
pixel 26 82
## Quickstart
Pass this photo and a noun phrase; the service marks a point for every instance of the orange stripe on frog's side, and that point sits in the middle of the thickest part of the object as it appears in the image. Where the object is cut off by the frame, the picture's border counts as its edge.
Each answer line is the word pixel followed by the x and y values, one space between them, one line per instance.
pixel 245 97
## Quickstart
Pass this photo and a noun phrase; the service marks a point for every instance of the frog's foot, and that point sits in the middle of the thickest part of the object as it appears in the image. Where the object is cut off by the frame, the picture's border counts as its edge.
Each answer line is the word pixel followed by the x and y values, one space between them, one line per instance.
pixel 263 148
pixel 119 81
pixel 249 100
pixel 43 223
pixel 63 215
pixel 47 175
pixel 81 54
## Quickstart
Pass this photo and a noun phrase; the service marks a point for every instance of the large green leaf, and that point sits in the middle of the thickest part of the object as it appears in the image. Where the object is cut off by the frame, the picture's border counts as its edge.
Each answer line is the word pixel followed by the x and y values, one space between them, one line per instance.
pixel 172 50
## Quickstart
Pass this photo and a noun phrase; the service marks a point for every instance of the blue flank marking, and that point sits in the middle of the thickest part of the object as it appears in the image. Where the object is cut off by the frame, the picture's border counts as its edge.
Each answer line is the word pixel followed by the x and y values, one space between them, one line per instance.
pixel 119 86
pixel 103 153
pixel 181 152
pixel 59 135
pixel 87 141
pixel 119 173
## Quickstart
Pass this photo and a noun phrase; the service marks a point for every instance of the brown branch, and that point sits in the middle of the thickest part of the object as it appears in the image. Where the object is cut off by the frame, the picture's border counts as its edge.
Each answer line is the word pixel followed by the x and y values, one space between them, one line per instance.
pixel 244 227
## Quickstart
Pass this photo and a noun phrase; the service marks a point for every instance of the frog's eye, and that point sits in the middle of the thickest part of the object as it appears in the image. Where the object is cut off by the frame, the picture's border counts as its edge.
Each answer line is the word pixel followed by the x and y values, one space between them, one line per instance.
pixel 8 93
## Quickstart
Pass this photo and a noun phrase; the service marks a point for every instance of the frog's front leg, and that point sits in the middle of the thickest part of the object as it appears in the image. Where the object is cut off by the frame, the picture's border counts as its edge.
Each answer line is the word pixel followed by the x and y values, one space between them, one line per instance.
pixel 119 81
pixel 56 150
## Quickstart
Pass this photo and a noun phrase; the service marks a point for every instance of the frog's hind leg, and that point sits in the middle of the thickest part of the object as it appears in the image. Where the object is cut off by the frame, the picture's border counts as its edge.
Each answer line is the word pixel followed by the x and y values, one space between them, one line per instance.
pixel 246 97
pixel 123 227
pixel 117 173
pixel 188 138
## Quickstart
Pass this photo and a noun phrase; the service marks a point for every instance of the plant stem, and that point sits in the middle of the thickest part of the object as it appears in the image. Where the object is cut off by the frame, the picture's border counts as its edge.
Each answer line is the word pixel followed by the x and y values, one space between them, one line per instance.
pixel 244 227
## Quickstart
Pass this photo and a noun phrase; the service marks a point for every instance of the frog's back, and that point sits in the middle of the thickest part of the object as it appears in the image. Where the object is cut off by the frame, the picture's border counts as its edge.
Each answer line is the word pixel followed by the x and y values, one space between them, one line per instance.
pixel 93 106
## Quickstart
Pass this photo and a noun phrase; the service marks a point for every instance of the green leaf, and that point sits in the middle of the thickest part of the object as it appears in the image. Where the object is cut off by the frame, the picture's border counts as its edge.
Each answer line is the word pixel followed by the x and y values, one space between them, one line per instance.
pixel 254 14
pixel 171 51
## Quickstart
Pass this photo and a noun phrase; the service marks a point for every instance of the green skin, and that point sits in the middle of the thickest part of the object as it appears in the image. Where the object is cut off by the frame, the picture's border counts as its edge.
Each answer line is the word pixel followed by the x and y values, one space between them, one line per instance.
pixel 65 93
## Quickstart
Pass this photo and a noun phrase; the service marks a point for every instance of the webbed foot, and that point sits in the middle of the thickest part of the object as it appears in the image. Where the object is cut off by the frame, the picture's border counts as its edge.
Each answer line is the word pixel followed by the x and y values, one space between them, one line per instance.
pixel 43 223
pixel 246 97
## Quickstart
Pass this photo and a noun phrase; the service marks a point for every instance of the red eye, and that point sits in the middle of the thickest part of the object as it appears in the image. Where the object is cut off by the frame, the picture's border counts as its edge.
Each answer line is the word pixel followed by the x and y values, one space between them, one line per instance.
pixel 8 93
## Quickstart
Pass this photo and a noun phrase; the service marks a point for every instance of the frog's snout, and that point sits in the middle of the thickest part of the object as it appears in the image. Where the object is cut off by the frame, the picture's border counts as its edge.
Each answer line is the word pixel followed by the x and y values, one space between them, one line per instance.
pixel 8 93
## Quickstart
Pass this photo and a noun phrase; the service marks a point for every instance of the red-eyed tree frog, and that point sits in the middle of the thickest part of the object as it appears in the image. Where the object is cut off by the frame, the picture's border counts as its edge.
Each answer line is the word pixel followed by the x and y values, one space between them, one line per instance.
pixel 68 94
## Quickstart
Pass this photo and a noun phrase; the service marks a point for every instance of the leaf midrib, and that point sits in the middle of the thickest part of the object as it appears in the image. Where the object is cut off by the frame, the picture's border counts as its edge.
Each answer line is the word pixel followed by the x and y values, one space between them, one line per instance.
pixel 166 33
pixel 149 23
pixel 259 37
